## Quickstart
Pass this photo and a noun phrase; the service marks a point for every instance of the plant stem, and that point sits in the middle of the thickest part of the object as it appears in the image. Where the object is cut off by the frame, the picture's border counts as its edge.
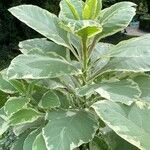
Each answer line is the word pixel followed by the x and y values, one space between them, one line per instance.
pixel 85 59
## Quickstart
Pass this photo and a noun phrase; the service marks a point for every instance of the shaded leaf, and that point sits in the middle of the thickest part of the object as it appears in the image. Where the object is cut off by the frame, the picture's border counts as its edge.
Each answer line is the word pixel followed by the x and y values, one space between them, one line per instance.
pixel 49 100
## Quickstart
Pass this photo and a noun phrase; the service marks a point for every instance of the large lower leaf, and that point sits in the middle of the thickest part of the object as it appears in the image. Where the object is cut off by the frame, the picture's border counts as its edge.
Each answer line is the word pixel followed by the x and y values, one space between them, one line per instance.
pixel 116 18
pixel 130 122
pixel 67 130
pixel 125 91
pixel 41 46
pixel 38 67
pixel 42 21
pixel 144 84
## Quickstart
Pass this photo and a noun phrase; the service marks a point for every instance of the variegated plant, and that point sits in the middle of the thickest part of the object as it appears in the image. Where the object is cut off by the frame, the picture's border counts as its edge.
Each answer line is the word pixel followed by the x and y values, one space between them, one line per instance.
pixel 69 91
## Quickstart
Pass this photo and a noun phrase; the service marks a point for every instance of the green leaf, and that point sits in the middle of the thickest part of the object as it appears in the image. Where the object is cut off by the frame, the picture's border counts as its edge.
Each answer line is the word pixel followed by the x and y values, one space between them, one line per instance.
pixel 82 28
pixel 67 130
pixel 41 46
pixel 18 144
pixel 128 64
pixel 131 48
pixel 71 9
pixel 24 116
pixel 91 9
pixel 125 91
pixel 114 141
pixel 144 84
pixel 116 18
pixel 20 86
pixel 98 61
pixel 15 104
pixel 49 100
pixel 3 126
pixel 30 139
pixel 3 98
pixel 39 143
pixel 42 21
pixel 19 129
pixel 98 143
pixel 129 122
pixel 5 86
pixel 3 122
pixel 64 99
pixel 38 67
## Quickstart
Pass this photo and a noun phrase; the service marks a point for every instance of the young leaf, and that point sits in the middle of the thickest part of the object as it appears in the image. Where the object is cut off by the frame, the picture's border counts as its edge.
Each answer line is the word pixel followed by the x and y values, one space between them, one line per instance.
pixel 15 104
pixel 116 18
pixel 39 67
pixel 130 122
pixel 71 9
pixel 91 9
pixel 42 21
pixel 67 130
pixel 49 100
pixel 125 91
pixel 24 116
pixel 41 46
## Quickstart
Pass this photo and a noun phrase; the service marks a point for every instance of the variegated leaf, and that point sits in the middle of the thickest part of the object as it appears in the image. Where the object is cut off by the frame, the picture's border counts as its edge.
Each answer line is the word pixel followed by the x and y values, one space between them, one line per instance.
pixel 117 17
pixel 15 104
pixel 39 67
pixel 23 116
pixel 41 46
pixel 125 91
pixel 42 21
pixel 67 130
pixel 129 122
